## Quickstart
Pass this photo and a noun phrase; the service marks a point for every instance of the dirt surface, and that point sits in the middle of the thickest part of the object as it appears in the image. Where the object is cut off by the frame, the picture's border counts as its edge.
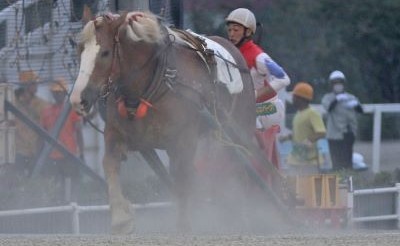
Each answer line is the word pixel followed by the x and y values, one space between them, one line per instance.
pixel 354 239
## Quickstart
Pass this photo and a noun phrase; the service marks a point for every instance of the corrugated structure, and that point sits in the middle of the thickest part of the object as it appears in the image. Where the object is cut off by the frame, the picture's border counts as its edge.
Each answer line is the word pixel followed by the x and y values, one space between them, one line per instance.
pixel 41 35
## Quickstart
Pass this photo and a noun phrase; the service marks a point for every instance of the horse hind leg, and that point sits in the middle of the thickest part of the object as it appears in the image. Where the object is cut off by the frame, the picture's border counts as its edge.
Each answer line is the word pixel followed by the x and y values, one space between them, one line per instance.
pixel 182 170
pixel 122 212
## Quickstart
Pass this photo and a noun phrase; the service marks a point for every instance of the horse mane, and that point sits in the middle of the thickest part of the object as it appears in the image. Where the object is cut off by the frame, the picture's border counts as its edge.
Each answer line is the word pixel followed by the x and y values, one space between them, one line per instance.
pixel 143 26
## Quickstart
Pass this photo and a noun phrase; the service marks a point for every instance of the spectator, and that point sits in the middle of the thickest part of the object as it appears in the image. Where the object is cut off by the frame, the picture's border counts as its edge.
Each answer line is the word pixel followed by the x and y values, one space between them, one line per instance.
pixel 29 80
pixel 26 140
pixel 308 127
pixel 342 109
pixel 268 78
pixel 70 135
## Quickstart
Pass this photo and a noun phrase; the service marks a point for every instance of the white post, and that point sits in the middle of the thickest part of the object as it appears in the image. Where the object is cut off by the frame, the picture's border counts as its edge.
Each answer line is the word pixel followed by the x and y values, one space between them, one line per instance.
pixel 376 145
pixel 7 131
pixel 75 218
pixel 350 207
pixel 350 203
pixel 398 205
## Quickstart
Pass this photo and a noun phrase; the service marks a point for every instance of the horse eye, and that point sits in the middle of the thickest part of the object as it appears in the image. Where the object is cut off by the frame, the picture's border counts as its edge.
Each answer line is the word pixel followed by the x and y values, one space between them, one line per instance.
pixel 105 53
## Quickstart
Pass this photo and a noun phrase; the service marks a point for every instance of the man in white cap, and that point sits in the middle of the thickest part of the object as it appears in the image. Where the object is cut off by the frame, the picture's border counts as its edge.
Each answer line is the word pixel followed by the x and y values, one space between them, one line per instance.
pixel 342 108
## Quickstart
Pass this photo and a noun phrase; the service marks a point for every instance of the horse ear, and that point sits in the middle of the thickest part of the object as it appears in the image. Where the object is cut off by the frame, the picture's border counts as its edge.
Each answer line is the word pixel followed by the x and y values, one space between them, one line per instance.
pixel 121 19
pixel 87 14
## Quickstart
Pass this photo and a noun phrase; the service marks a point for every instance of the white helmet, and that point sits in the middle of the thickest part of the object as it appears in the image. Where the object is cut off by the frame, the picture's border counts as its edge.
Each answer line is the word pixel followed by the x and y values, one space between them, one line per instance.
pixel 336 75
pixel 244 17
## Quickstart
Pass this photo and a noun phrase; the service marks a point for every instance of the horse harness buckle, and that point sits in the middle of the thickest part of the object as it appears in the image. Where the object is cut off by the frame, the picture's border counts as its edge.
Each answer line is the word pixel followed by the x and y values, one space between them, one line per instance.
pixel 170 75
pixel 106 88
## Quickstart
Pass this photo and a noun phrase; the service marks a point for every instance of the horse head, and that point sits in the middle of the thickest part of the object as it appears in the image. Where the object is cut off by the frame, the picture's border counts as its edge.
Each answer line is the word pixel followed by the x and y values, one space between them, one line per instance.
pixel 96 42
pixel 99 43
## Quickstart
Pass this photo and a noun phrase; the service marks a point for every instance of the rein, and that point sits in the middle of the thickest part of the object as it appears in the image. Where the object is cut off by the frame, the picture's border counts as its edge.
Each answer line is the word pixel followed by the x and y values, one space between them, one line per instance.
pixel 94 126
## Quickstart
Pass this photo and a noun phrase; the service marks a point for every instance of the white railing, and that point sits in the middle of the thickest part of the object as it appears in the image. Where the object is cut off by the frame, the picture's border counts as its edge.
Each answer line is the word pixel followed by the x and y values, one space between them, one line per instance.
pixel 395 216
pixel 75 210
pixel 376 110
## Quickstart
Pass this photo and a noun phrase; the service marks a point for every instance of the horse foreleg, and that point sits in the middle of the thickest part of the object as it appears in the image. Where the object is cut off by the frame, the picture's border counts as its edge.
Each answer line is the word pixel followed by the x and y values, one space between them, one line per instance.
pixel 121 209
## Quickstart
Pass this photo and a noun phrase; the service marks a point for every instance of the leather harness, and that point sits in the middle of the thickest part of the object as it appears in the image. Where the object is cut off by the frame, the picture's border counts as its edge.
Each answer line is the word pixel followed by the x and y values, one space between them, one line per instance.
pixel 165 74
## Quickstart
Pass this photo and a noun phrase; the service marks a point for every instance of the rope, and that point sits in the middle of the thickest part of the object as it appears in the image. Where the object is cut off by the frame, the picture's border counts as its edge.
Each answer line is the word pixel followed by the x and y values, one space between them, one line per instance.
pixel 219 136
pixel 94 126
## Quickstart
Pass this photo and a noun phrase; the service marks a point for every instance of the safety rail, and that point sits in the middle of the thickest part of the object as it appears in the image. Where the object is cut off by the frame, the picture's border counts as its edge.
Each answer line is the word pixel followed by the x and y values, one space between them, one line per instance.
pixel 76 210
pixel 383 217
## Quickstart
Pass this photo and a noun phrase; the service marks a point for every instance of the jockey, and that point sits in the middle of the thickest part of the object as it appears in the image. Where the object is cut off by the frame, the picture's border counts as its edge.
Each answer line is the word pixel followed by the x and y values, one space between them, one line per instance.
pixel 268 78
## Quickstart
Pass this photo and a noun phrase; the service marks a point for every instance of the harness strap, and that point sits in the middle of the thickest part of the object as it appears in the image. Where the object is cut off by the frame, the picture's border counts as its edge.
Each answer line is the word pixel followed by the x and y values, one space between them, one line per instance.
pixel 200 46
pixel 156 81
pixel 162 75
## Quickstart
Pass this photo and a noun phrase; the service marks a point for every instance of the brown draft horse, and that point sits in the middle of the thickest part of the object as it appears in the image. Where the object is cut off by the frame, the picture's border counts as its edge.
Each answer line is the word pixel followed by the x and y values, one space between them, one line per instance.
pixel 156 88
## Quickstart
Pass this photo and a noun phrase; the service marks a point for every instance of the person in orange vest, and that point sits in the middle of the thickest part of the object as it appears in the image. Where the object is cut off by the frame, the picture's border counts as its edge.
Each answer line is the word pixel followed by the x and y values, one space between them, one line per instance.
pixel 70 136
pixel 27 142
pixel 268 78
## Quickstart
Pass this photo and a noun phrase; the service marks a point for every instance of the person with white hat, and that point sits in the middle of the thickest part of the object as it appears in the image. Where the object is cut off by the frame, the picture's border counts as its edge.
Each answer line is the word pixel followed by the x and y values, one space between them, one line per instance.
pixel 342 108
pixel 268 76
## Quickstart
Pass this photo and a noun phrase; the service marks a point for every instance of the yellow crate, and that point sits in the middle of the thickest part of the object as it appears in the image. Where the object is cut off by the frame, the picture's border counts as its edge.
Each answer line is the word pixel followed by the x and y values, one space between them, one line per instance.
pixel 318 191
pixel 331 191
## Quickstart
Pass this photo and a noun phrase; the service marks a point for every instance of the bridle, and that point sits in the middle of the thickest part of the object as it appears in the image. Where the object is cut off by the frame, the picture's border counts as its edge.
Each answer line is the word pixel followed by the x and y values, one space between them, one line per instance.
pixel 154 89
pixel 113 73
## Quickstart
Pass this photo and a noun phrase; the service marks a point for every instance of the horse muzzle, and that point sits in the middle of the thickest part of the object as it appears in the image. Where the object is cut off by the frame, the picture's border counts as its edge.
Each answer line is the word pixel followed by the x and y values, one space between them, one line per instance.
pixel 88 98
pixel 77 107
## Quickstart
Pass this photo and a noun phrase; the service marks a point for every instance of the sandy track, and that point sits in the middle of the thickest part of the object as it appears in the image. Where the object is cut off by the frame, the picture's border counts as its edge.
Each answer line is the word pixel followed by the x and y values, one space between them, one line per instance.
pixel 357 239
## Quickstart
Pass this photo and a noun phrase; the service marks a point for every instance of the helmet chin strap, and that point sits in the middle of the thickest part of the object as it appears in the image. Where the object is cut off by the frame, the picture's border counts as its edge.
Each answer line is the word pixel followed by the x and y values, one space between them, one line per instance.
pixel 243 39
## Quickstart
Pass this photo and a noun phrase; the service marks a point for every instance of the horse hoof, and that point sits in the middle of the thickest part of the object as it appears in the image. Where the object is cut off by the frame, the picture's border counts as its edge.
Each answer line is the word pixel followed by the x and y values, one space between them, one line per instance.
pixel 123 228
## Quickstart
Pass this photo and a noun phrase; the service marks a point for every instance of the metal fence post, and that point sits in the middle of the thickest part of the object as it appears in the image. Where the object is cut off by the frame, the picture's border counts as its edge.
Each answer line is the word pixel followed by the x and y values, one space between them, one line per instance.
pixel 376 141
pixel 350 202
pixel 75 218
pixel 398 205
